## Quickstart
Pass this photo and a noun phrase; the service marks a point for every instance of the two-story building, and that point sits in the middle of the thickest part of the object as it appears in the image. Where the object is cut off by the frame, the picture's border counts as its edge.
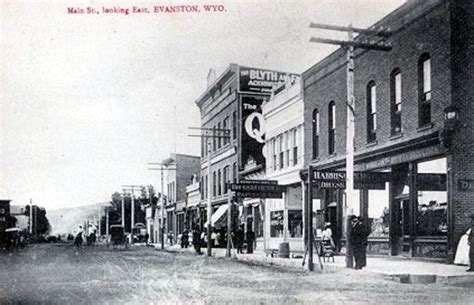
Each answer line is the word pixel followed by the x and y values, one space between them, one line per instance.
pixel 284 126
pixel 413 120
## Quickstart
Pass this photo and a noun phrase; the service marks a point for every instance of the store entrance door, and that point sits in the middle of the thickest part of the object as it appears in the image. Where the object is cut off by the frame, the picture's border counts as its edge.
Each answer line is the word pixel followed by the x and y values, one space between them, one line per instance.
pixel 404 227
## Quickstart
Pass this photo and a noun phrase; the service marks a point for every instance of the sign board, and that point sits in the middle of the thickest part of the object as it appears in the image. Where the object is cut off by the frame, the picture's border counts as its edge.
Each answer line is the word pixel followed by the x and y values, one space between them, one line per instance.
pixel 466 185
pixel 262 81
pixel 254 181
pixel 257 189
pixel 337 180
pixel 431 182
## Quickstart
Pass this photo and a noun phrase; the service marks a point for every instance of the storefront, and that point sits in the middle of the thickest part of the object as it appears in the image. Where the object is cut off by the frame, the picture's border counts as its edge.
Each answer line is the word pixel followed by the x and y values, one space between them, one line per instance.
pixel 285 220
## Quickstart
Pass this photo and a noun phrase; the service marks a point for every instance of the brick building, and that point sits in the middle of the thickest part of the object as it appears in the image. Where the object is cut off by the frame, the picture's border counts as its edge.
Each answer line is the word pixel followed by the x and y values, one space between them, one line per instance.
pixel 414 120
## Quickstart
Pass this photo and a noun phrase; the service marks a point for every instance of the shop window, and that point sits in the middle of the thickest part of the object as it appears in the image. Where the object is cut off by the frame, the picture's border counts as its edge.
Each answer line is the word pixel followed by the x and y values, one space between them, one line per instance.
pixel 371 112
pixel 431 219
pixel 424 90
pixel 332 128
pixel 396 101
pixel 315 133
pixel 276 224
pixel 379 212
pixel 258 221
pixel 295 223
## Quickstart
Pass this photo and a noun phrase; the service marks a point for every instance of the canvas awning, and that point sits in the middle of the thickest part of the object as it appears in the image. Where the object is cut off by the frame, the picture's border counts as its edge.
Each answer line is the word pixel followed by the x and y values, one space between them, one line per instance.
pixel 218 214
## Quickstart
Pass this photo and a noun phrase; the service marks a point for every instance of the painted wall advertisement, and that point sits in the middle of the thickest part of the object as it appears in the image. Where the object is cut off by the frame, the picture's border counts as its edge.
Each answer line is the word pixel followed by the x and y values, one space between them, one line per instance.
pixel 253 131
pixel 262 81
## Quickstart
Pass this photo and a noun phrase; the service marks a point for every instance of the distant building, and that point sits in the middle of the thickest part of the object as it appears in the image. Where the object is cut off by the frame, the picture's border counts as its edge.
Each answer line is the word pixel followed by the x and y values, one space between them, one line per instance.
pixel 181 169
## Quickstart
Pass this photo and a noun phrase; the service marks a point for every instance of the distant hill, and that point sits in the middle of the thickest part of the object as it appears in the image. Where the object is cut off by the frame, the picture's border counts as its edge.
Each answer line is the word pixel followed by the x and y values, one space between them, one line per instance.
pixel 67 220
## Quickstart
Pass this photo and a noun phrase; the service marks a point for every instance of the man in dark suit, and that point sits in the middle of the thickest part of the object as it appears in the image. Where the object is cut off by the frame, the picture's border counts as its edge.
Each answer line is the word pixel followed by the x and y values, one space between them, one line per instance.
pixel 471 246
pixel 358 239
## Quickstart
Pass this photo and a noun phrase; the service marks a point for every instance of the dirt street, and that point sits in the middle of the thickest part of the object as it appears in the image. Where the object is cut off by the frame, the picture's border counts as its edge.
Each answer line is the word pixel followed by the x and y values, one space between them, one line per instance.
pixel 58 274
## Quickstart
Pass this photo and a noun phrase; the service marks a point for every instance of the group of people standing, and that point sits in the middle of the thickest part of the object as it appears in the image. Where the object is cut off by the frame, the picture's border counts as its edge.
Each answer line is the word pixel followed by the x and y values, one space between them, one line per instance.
pixel 91 236
pixel 239 239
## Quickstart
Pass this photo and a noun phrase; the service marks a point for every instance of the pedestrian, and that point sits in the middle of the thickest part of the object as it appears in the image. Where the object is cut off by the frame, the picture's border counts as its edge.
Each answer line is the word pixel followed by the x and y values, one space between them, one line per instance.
pixel 170 237
pixel 239 238
pixel 471 244
pixel 250 237
pixel 358 240
pixel 184 239
pixel 91 235
pixel 197 239
pixel 213 237
pixel 147 237
pixel 462 251
pixel 78 238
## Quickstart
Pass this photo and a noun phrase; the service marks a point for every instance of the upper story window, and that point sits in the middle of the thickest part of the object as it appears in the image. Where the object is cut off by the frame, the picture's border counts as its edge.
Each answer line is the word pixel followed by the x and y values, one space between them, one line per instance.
pixel 295 146
pixel 281 151
pixel 396 101
pixel 234 125
pixel 214 188
pixel 274 154
pixel 214 142
pixel 219 134
pixel 371 112
pixel 332 128
pixel 225 175
pixel 234 172
pixel 219 183
pixel 225 125
pixel 287 148
pixel 315 133
pixel 424 90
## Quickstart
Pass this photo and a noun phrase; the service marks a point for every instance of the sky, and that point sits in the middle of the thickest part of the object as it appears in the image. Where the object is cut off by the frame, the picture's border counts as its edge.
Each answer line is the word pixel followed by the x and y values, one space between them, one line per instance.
pixel 87 100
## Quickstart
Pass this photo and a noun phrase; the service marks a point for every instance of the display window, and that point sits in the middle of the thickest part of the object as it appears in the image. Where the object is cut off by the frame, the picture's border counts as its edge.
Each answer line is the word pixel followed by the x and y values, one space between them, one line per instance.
pixel 295 223
pixel 431 218
pixel 276 223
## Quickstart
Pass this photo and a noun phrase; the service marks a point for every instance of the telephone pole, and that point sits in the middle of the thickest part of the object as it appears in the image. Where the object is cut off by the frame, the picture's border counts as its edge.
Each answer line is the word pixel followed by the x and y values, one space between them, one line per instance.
pixel 162 167
pixel 132 208
pixel 207 134
pixel 350 44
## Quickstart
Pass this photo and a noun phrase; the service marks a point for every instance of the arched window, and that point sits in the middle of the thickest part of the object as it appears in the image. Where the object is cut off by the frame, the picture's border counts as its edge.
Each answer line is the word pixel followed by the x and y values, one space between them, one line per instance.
pixel 332 127
pixel 371 112
pixel 424 90
pixel 396 101
pixel 315 133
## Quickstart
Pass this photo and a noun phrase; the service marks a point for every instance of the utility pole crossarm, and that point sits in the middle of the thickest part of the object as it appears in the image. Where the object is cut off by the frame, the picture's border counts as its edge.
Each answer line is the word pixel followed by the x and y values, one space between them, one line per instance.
pixel 382 32
pixel 378 46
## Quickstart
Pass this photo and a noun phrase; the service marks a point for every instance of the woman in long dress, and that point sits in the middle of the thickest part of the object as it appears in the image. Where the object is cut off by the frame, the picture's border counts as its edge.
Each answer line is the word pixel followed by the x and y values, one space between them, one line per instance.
pixel 462 252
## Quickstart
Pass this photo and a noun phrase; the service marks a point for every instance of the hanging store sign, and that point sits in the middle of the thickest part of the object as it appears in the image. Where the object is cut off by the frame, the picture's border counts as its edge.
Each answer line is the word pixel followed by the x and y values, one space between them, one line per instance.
pixel 257 189
pixel 337 180
pixel 262 81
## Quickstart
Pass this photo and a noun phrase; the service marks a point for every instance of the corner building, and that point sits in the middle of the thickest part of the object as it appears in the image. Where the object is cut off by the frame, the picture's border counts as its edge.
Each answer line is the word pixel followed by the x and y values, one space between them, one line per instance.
pixel 413 120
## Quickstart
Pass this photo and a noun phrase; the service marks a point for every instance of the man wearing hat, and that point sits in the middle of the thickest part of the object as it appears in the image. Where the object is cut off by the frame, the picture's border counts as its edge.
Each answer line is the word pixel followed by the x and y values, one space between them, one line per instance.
pixel 358 239
pixel 471 246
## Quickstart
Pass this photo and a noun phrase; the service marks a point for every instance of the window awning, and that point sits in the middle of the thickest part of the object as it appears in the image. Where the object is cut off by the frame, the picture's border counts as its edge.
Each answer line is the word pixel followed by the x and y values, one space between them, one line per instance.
pixel 218 214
